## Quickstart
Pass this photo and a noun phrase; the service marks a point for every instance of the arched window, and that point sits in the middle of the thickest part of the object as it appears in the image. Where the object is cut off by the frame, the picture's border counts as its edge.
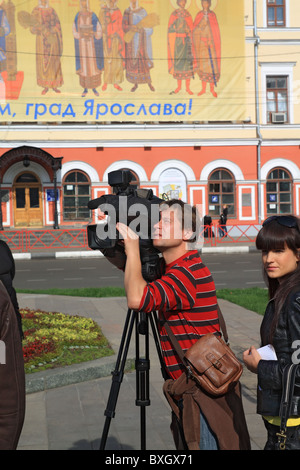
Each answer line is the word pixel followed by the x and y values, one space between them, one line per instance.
pixel 76 187
pixel 221 190
pixel 172 184
pixel 27 178
pixel 279 192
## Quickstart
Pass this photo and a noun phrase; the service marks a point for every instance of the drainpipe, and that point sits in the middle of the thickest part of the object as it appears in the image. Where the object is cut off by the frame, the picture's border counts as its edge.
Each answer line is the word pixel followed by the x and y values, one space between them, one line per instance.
pixel 258 132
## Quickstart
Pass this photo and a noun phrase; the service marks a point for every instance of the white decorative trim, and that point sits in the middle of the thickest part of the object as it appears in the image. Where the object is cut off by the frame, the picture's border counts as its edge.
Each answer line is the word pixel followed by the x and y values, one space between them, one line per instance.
pixel 192 189
pixel 96 193
pixel 17 168
pixel 135 167
pixel 168 164
pixel 280 142
pixel 141 142
pixel 261 188
pixel 46 205
pixel 103 190
pixel 283 163
pixel 297 194
pixel 235 169
pixel 8 205
pixel 79 165
pixel 253 206
pixel 264 13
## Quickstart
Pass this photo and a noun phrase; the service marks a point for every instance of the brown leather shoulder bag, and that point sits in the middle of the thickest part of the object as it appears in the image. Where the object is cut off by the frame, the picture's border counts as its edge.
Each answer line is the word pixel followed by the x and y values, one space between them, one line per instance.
pixel 210 361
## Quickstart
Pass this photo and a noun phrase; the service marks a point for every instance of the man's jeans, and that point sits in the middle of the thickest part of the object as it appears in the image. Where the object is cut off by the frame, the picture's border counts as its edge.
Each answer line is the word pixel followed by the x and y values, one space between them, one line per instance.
pixel 208 440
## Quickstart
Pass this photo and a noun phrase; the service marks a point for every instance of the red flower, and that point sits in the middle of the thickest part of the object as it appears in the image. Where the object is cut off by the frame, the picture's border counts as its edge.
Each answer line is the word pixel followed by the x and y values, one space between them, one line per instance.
pixel 35 349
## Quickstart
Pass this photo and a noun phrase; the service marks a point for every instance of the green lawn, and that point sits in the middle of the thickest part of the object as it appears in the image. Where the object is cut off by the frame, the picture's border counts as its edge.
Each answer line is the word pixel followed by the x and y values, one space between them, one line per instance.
pixel 83 292
pixel 254 298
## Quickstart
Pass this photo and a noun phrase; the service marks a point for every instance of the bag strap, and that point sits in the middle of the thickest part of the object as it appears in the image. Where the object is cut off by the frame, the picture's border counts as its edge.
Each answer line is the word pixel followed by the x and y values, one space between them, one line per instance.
pixel 223 326
pixel 175 342
pixel 288 384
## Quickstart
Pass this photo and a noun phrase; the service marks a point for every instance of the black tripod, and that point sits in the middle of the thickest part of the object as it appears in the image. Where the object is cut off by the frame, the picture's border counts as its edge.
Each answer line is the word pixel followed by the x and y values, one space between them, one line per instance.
pixel 142 366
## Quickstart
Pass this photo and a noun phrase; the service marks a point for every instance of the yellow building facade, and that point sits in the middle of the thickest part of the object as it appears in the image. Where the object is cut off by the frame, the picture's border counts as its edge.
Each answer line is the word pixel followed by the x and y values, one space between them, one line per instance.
pixel 199 99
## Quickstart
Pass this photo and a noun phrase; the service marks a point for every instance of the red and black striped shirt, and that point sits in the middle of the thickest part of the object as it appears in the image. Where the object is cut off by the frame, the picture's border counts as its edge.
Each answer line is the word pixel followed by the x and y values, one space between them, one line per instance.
pixel 186 295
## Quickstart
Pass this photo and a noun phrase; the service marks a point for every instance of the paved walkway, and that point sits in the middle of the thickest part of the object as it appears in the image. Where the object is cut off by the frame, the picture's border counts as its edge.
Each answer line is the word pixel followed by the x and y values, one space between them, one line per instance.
pixel 65 407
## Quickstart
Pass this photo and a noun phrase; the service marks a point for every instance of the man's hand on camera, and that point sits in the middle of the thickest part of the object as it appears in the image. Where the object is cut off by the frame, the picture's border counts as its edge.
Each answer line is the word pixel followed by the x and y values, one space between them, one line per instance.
pixel 130 238
pixel 133 280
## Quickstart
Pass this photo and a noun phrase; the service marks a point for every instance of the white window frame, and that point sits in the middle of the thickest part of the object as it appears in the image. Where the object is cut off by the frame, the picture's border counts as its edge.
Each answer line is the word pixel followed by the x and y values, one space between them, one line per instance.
pixel 277 69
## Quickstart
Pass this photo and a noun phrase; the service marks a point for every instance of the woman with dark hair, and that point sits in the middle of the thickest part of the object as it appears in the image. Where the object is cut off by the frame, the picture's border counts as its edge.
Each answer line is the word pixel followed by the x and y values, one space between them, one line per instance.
pixel 279 242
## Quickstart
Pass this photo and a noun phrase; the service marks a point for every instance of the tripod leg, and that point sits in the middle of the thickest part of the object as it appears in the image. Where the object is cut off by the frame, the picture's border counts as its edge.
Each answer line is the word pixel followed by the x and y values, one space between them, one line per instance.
pixel 117 376
pixel 142 374
pixel 153 322
pixel 142 366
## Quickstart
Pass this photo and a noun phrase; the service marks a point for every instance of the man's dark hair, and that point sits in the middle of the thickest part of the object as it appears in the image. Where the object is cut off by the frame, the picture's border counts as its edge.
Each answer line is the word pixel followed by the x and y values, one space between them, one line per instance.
pixel 188 214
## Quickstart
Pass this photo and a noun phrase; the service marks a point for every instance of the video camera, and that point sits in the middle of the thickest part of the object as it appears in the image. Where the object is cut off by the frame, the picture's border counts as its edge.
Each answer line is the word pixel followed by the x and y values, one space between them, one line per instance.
pixel 137 208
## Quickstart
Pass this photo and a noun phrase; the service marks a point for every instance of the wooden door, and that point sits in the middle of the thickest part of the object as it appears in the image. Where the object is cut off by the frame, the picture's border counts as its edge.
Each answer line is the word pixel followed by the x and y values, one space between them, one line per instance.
pixel 28 209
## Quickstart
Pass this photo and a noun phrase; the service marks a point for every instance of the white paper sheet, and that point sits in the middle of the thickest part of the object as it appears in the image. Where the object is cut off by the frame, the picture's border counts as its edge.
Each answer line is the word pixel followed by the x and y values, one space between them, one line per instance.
pixel 267 353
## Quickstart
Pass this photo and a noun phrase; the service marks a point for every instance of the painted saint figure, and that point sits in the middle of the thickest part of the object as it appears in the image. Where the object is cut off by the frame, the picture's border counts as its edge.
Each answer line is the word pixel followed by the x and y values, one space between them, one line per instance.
pixel 138 29
pixel 46 26
pixel 113 44
pixel 4 31
pixel 207 45
pixel 180 47
pixel 87 34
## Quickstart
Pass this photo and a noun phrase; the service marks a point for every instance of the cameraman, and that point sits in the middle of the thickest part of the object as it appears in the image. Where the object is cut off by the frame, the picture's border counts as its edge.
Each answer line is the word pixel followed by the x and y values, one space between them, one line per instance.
pixel 185 294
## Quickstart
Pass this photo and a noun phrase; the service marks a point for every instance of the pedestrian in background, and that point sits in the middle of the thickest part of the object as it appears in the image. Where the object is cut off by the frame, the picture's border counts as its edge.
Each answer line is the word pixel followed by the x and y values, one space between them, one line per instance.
pixel 223 222
pixel 221 226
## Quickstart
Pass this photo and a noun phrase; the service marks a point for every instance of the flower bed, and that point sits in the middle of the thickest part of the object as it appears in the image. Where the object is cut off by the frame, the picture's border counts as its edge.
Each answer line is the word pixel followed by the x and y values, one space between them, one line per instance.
pixel 53 339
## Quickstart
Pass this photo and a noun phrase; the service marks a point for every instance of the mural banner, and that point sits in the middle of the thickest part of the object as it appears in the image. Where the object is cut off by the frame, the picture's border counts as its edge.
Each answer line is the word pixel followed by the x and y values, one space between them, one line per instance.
pixel 122 60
